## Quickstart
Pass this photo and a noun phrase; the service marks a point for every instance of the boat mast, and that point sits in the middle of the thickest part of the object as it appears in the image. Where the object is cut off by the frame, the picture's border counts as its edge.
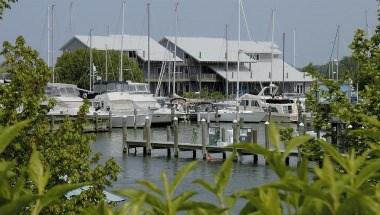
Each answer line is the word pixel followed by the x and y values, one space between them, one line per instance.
pixel 106 63
pixel 91 63
pixel 148 8
pixel 337 54
pixel 283 64
pixel 226 61
pixel 175 46
pixel 271 64
pixel 294 48
pixel 238 55
pixel 122 44
pixel 52 41
pixel 48 37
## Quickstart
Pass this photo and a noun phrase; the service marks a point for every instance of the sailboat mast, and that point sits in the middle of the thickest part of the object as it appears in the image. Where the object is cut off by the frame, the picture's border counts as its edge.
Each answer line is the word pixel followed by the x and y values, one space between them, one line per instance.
pixel 294 48
pixel 337 53
pixel 226 61
pixel 175 46
pixel 52 41
pixel 106 63
pixel 148 8
pixel 122 44
pixel 238 54
pixel 271 64
pixel 91 64
pixel 283 63
pixel 48 37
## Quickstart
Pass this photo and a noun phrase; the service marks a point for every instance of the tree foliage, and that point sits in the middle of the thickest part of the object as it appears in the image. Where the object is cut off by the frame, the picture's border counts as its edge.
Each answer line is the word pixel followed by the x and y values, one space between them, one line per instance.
pixel 73 67
pixel 65 152
pixel 5 4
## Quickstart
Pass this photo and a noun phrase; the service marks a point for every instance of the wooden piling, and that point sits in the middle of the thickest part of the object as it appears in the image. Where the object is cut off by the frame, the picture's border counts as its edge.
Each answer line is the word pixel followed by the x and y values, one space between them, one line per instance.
pixel 110 121
pixel 254 141
pixel 96 122
pixel 148 137
pixel 176 149
pixel 223 135
pixel 125 143
pixel 194 154
pixel 235 129
pixel 267 135
pixel 217 116
pixel 135 118
pixel 204 138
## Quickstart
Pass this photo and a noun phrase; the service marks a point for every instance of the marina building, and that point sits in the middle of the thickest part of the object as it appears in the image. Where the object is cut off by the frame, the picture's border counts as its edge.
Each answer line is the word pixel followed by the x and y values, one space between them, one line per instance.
pixel 203 63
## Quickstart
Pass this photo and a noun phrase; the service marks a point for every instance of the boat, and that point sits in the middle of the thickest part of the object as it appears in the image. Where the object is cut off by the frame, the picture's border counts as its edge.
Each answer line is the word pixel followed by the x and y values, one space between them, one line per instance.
pixel 276 108
pixel 67 100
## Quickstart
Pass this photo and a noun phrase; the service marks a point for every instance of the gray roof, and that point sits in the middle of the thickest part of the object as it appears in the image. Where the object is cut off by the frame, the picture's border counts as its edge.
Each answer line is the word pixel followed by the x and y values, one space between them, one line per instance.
pixel 260 72
pixel 130 43
pixel 212 49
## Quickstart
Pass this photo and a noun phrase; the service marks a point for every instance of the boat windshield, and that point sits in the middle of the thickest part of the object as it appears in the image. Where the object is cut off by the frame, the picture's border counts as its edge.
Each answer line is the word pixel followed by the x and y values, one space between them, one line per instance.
pixel 279 101
pixel 121 87
pixel 62 91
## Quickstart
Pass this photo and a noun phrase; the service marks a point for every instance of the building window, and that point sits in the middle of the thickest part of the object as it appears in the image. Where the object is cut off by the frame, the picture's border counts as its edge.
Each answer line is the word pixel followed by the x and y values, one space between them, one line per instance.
pixel 299 88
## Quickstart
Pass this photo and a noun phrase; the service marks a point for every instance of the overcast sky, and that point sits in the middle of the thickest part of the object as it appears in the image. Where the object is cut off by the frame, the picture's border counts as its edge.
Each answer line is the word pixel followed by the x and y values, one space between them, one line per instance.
pixel 315 21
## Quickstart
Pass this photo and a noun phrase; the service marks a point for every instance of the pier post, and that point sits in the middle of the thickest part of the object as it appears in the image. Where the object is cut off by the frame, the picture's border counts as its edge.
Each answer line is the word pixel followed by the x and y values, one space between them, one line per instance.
pixel 172 113
pixel 125 143
pixel 266 135
pixel 198 118
pixel 204 138
pixel 194 154
pixel 235 129
pixel 223 141
pixel 135 118
pixel 176 149
pixel 148 134
pixel 168 137
pixel 110 121
pixel 96 124
pixel 254 141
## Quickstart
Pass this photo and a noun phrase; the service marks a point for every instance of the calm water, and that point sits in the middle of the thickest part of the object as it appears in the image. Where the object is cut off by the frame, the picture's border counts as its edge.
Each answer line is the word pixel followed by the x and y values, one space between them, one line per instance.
pixel 245 175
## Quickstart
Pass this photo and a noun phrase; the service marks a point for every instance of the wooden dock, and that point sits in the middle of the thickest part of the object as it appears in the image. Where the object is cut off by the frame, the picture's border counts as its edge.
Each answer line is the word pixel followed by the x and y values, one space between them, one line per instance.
pixel 174 146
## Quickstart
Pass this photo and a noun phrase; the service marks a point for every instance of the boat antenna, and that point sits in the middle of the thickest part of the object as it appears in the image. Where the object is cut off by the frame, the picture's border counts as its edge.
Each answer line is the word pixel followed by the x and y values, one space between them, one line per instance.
pixel 91 63
pixel 283 64
pixel 226 61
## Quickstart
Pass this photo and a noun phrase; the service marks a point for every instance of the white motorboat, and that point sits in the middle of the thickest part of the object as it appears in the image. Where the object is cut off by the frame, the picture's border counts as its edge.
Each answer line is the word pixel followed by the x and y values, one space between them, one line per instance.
pixel 132 100
pixel 277 108
pixel 67 100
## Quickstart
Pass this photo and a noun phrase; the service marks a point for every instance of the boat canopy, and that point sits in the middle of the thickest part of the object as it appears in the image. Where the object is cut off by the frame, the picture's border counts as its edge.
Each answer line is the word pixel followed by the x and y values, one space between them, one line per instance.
pixel 115 86
pixel 62 90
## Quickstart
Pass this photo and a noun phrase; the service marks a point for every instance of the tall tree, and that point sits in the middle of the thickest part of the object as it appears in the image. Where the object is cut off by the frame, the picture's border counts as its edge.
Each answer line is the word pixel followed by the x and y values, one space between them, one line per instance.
pixel 73 67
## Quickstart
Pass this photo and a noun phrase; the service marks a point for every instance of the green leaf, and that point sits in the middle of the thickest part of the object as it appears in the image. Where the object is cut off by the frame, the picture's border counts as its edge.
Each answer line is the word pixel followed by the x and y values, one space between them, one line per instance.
pixel 58 191
pixel 274 136
pixel 7 134
pixel 14 206
pixel 151 186
pixel 205 185
pixel 368 171
pixel 330 150
pixel 181 174
pixel 36 172
pixel 295 142
pixel 223 176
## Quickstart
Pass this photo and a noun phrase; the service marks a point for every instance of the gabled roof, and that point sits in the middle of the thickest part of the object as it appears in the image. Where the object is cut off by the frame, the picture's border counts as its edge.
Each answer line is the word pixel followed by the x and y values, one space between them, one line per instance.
pixel 260 72
pixel 136 43
pixel 213 49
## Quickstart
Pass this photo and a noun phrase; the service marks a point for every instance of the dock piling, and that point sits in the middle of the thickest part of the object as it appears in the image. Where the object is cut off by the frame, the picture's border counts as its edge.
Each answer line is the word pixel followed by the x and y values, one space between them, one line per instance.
pixel 96 124
pixel 148 134
pixel 176 149
pixel 267 135
pixel 135 118
pixel 204 138
pixel 110 121
pixel 125 143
